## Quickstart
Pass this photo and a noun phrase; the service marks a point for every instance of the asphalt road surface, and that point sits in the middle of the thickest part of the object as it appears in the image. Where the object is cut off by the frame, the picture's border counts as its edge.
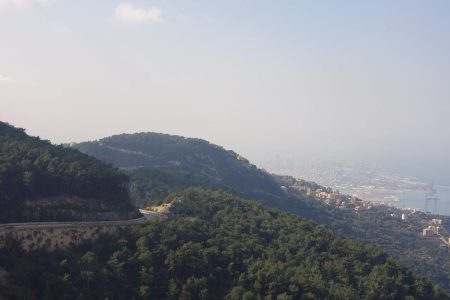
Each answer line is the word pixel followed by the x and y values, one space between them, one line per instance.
pixel 147 216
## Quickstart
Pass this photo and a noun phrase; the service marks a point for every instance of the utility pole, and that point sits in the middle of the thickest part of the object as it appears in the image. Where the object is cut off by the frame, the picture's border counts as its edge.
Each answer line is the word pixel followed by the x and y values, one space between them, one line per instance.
pixel 431 196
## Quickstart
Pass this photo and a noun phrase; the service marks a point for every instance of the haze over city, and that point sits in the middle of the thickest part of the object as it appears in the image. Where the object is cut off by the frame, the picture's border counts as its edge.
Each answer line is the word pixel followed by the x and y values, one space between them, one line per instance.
pixel 203 149
pixel 299 79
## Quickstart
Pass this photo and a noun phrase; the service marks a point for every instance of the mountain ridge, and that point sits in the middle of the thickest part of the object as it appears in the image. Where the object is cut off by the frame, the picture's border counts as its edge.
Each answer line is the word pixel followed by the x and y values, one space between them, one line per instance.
pixel 401 239
pixel 43 182
pixel 192 155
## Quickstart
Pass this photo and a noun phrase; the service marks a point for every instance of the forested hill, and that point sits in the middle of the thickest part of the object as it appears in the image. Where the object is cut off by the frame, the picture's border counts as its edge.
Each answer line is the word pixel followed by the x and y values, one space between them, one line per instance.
pixel 174 163
pixel 43 182
pixel 217 247
pixel 173 153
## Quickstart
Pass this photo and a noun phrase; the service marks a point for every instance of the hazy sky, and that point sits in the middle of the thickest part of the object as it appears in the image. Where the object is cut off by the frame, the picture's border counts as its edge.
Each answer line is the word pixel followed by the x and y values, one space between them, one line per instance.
pixel 344 79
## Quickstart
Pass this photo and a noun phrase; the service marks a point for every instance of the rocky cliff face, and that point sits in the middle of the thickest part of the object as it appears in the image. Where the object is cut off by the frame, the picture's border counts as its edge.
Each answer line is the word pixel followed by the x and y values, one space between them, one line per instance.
pixel 72 208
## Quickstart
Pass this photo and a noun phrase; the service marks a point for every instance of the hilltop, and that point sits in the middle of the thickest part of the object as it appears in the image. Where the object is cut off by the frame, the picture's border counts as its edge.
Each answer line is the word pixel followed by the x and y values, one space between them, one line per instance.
pixel 159 164
pixel 217 245
pixel 43 182
pixel 177 156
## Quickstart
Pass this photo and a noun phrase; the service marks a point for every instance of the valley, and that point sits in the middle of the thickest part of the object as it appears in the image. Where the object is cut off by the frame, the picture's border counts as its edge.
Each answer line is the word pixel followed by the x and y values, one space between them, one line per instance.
pixel 205 165
pixel 201 185
pixel 224 150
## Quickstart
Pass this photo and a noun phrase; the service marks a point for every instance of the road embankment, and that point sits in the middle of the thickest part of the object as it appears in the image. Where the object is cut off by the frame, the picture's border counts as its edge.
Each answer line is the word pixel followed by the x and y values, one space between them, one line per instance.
pixel 51 235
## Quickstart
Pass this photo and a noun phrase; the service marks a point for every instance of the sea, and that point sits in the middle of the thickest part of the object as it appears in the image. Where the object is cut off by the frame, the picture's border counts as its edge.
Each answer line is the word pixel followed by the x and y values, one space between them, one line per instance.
pixel 416 200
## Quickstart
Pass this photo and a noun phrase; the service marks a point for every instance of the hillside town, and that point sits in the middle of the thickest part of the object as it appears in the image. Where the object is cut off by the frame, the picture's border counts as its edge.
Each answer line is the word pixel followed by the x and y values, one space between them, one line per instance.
pixel 325 194
pixel 434 229
pixel 437 229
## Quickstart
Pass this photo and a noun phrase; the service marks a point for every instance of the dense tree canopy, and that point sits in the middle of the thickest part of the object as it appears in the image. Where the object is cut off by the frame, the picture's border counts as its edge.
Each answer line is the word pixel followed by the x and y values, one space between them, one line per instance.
pixel 31 168
pixel 194 156
pixel 159 164
pixel 218 246
pixel 151 186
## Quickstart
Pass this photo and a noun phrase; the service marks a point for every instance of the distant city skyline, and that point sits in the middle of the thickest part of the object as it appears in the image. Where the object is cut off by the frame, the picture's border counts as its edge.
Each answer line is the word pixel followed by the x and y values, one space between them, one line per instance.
pixel 310 79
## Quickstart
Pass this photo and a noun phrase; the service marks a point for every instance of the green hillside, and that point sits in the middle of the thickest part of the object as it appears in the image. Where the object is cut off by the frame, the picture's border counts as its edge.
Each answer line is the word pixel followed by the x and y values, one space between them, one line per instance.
pixel 38 181
pixel 219 247
pixel 149 186
pixel 175 153
pixel 154 174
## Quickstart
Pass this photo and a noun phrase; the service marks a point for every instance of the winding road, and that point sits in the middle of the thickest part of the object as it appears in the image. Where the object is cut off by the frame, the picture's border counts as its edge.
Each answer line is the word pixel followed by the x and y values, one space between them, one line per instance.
pixel 147 216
